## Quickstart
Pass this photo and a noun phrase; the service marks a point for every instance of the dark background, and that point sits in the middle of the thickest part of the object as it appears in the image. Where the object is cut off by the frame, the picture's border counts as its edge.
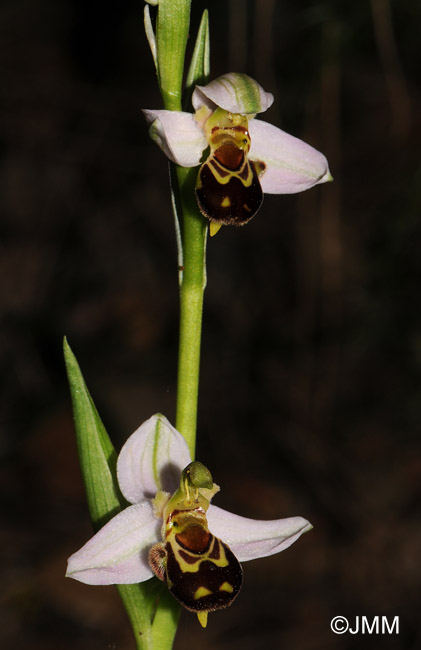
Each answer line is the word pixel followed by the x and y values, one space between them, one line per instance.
pixel 310 396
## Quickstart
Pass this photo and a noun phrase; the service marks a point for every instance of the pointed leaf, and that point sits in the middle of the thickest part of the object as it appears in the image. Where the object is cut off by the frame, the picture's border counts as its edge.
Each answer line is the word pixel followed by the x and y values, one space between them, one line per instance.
pixel 97 456
pixel 98 463
pixel 199 69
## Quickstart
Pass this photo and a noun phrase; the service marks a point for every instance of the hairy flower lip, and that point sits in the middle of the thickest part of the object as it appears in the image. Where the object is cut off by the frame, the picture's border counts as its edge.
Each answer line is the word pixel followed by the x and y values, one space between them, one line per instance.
pixel 117 554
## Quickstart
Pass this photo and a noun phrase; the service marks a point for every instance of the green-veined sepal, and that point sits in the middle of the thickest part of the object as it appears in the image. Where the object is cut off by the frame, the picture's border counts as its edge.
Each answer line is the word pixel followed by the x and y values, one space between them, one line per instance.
pixel 234 92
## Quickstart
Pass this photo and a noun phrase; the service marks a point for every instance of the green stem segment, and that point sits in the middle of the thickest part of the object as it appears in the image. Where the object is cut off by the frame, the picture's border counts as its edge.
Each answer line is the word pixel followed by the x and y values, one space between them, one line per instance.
pixel 194 232
pixel 172 30
pixel 139 615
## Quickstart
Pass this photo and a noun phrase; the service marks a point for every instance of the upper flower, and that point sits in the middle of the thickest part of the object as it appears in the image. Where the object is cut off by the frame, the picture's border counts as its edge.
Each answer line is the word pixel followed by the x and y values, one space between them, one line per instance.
pixel 283 163
pixel 152 460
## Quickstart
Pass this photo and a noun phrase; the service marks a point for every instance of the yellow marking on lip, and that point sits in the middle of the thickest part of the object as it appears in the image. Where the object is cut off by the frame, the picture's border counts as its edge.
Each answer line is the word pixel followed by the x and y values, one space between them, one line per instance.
pixel 226 587
pixel 214 228
pixel 201 592
pixel 226 202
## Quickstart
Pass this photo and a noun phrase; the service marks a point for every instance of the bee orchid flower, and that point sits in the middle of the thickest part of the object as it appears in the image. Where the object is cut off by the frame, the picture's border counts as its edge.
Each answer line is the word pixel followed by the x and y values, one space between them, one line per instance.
pixel 246 157
pixel 128 548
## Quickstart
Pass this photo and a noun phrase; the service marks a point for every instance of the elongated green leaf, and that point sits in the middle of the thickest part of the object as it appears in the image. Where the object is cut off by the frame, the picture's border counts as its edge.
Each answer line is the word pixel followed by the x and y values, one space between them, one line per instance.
pixel 96 452
pixel 199 69
pixel 98 463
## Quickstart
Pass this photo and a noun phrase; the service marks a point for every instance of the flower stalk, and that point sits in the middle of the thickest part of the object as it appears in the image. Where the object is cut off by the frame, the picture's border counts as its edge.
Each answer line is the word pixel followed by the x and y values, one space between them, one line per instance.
pixel 172 30
pixel 171 38
pixel 192 286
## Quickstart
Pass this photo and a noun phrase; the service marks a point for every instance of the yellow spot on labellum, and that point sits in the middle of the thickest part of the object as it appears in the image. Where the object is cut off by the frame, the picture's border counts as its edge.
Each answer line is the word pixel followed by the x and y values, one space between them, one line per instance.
pixel 226 202
pixel 203 618
pixel 226 587
pixel 214 228
pixel 200 592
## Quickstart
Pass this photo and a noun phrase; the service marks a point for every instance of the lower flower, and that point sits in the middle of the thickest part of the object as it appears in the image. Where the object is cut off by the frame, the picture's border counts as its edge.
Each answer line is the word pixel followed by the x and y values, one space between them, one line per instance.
pixel 173 531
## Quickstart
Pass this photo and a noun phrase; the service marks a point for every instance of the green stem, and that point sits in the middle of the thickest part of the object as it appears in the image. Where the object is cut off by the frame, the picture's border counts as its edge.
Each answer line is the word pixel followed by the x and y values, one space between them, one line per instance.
pixel 171 37
pixel 138 614
pixel 172 31
pixel 194 232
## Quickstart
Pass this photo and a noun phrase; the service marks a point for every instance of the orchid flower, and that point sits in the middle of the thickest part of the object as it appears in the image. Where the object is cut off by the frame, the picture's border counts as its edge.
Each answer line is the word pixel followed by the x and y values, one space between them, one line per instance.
pixel 248 157
pixel 148 468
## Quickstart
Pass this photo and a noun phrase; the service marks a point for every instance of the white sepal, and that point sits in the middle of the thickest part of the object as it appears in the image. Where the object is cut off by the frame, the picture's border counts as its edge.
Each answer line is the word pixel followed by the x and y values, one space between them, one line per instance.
pixel 178 135
pixel 152 459
pixel 234 92
pixel 118 553
pixel 291 164
pixel 250 539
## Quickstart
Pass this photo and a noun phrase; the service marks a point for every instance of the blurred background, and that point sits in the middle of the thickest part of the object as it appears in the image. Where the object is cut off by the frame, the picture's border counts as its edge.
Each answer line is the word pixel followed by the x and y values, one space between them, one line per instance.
pixel 310 396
